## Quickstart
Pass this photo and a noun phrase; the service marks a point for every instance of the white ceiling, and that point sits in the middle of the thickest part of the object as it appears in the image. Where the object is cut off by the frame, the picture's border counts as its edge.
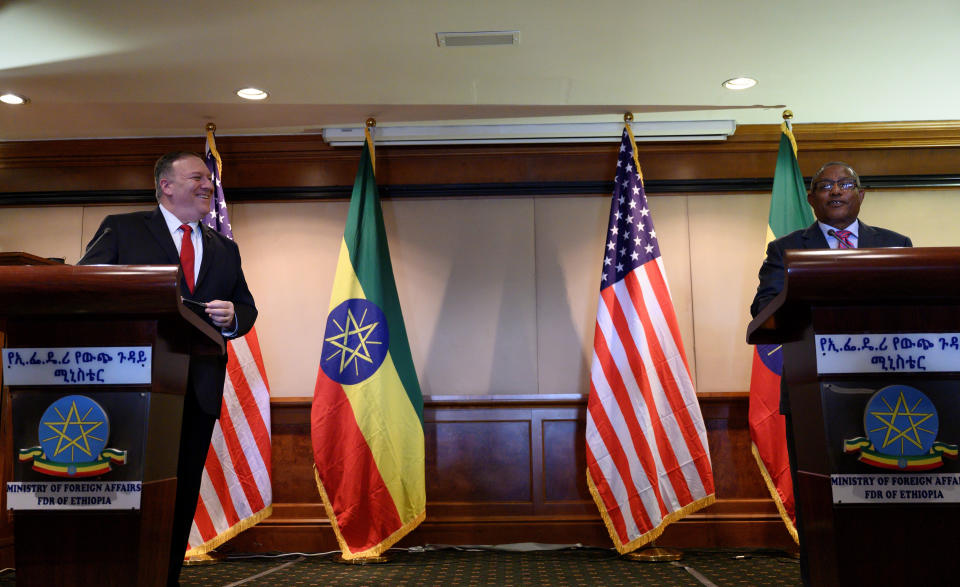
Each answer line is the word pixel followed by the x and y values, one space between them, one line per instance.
pixel 125 68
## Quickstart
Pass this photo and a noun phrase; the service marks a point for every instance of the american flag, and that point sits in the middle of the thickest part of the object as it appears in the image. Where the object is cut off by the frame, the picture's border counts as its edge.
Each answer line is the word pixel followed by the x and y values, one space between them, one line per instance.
pixel 236 491
pixel 647 458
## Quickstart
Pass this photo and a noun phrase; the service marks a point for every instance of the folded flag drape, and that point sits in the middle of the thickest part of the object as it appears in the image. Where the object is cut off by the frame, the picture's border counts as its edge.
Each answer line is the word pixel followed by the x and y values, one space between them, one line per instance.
pixel 236 490
pixel 648 463
pixel 789 211
pixel 367 415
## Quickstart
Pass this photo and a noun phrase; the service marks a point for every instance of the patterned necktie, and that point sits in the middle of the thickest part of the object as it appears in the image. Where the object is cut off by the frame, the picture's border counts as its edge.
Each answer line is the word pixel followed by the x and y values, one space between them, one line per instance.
pixel 843 239
pixel 186 255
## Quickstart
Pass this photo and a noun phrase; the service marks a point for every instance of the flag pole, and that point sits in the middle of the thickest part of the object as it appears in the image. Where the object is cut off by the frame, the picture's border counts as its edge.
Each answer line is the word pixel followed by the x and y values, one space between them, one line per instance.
pixel 368 126
pixel 222 513
pixel 795 551
pixel 767 438
pixel 211 557
pixel 651 553
pixel 368 447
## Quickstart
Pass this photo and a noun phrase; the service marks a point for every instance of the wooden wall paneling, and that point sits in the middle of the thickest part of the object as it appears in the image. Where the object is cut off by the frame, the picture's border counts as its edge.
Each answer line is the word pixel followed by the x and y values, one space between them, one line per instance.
pixel 480 463
pixel 880 149
pixel 503 469
pixel 564 471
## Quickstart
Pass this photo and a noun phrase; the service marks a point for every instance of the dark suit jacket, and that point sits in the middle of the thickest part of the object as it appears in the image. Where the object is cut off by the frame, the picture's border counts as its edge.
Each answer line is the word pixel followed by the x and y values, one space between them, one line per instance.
pixel 142 238
pixel 772 270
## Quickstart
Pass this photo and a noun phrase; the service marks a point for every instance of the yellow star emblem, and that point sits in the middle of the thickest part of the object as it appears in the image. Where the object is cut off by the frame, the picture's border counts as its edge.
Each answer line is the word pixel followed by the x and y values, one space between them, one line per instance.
pixel 341 341
pixel 62 428
pixel 909 433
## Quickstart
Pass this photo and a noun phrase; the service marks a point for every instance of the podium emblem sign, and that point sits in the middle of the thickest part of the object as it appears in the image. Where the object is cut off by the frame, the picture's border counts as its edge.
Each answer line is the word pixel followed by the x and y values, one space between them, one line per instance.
pixel 901 425
pixel 892 415
pixel 69 454
pixel 73 434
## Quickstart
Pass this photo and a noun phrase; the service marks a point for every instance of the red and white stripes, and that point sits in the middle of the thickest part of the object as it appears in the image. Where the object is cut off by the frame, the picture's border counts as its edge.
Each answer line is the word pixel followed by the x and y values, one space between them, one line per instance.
pixel 647 457
pixel 236 491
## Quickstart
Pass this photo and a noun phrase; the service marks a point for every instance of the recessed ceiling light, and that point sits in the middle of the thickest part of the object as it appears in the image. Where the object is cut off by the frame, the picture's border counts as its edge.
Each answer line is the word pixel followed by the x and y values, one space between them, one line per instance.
pixel 740 83
pixel 252 94
pixel 12 99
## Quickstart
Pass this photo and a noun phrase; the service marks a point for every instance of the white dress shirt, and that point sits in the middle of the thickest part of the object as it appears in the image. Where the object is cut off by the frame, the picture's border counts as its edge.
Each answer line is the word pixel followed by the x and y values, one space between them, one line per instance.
pixel 176 233
pixel 832 241
pixel 196 237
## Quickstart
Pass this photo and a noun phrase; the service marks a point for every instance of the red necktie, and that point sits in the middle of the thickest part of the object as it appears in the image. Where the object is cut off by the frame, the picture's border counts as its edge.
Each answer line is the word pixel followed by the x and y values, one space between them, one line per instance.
pixel 843 239
pixel 186 255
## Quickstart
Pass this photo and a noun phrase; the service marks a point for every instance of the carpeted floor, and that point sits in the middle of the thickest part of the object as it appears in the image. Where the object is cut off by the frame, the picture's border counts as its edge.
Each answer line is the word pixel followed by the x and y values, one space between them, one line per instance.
pixel 467 566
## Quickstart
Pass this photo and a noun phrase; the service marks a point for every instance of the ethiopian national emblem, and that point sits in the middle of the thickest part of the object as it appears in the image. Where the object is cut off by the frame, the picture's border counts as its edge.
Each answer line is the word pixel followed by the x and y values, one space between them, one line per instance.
pixel 73 434
pixel 901 424
pixel 356 341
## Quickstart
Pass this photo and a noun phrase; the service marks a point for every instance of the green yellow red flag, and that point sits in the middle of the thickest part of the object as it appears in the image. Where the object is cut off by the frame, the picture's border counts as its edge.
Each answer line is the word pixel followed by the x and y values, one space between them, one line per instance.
pixel 789 211
pixel 367 415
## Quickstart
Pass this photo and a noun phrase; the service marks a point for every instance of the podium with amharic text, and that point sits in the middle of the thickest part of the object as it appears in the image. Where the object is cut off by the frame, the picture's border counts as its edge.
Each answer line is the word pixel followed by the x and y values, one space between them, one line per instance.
pixel 6 466
pixel 95 363
pixel 871 365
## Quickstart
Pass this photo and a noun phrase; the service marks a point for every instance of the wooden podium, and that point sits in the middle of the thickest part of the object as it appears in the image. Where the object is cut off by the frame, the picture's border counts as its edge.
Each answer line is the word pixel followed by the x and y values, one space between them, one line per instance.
pixel 119 337
pixel 6 466
pixel 871 365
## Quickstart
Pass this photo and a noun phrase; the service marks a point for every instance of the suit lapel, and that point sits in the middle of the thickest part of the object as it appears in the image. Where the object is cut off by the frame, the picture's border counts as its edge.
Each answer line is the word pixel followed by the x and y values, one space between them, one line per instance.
pixel 158 228
pixel 209 252
pixel 812 238
pixel 867 237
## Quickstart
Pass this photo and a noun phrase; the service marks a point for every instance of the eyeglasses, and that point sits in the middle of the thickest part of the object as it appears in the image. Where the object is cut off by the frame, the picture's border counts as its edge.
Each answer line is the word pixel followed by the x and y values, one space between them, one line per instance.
pixel 826 185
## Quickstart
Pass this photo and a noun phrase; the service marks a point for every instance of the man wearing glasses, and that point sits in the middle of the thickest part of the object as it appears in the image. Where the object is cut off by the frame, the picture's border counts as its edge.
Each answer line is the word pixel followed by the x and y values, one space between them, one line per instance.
pixel 835 195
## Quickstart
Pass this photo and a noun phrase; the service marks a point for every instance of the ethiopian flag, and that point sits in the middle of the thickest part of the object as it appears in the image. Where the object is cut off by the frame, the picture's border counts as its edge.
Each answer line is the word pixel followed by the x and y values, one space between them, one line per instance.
pixel 789 211
pixel 367 416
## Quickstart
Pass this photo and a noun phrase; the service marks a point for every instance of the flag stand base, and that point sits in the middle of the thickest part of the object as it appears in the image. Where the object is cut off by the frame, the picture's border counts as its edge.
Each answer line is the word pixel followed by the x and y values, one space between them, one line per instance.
pixel 208 558
pixel 367 560
pixel 654 554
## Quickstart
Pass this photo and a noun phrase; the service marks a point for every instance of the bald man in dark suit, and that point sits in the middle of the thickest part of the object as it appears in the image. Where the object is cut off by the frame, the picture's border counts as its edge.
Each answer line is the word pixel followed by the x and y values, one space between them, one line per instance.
pixel 835 196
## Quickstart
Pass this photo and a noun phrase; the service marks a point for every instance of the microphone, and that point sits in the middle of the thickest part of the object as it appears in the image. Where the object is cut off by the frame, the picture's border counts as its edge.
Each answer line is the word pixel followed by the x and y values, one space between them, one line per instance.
pixel 94 244
pixel 840 241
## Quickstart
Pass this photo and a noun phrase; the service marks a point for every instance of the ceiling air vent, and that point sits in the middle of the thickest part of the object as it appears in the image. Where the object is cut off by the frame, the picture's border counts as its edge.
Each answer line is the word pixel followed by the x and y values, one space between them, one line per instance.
pixel 478 38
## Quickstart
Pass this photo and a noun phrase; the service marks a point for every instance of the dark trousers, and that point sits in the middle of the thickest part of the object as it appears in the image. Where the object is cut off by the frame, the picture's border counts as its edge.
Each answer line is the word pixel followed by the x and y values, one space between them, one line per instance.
pixel 195 433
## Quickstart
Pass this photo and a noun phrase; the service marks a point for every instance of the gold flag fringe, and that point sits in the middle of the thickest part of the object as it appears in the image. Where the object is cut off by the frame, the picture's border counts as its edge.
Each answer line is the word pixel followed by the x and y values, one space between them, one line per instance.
pixel 652 534
pixel 230 532
pixel 791 529
pixel 374 551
